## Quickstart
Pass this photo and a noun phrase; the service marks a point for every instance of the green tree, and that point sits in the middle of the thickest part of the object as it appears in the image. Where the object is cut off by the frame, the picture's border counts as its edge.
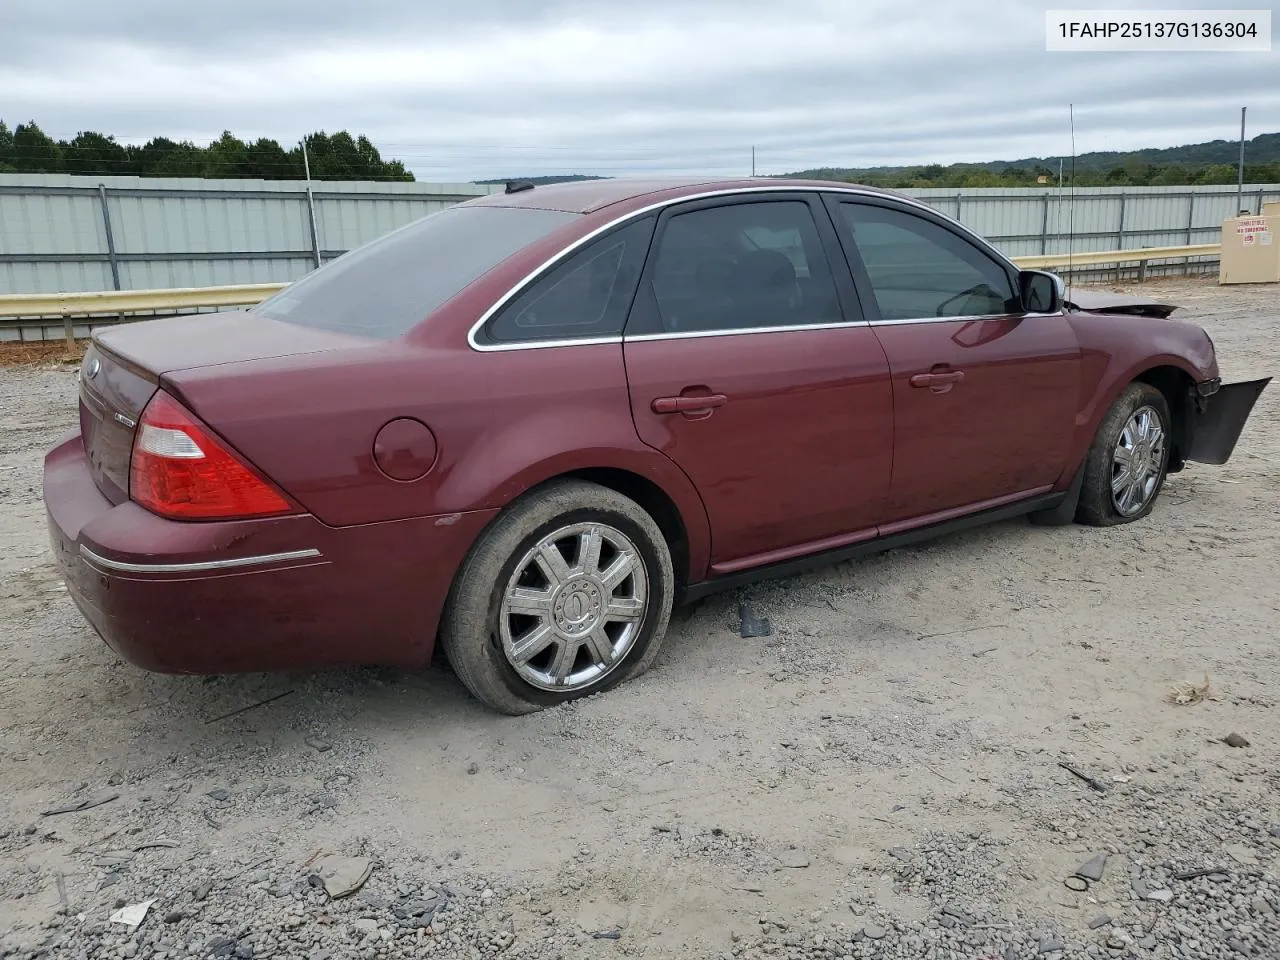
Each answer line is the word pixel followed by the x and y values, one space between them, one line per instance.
pixel 6 147
pixel 226 157
pixel 34 151
pixel 94 153
pixel 268 160
pixel 182 159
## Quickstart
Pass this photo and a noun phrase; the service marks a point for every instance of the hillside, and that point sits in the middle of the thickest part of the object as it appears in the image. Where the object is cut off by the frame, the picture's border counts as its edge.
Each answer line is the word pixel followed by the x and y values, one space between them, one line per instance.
pixel 1210 162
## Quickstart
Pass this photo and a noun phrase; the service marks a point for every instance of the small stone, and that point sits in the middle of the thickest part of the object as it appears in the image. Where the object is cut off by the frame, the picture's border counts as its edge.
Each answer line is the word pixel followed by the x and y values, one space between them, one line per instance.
pixel 343 876
pixel 1101 920
pixel 1160 896
pixel 1140 889
pixel 1078 884
pixel 1092 869
pixel 473 769
pixel 219 794
pixel 1148 942
pixel 220 947
pixel 366 927
pixel 959 916
pixel 1235 740
pixel 793 859
pixel 1049 944
pixel 1240 853
pixel 174 916
pixel 316 743
pixel 874 932
pixel 244 951
pixel 899 853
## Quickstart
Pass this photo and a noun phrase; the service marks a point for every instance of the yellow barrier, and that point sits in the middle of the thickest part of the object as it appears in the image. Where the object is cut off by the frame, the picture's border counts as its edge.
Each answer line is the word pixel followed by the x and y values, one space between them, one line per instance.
pixel 120 302
pixel 124 302
pixel 1098 258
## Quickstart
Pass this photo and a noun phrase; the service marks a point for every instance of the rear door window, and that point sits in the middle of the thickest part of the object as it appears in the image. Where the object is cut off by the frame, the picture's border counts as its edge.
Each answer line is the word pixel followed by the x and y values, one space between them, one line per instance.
pixel 386 287
pixel 741 266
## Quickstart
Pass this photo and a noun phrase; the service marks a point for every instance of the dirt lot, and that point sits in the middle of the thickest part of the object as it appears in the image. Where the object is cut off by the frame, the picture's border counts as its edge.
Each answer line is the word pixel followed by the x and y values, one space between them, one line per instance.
pixel 879 778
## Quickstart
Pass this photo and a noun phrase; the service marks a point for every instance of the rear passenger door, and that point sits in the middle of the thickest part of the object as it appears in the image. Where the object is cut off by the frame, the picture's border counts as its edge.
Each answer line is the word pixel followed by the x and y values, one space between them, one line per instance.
pixel 749 364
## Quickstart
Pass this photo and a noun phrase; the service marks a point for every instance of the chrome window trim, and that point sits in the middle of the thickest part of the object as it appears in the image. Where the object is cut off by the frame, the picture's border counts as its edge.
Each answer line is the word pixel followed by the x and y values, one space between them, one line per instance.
pixel 739 331
pixel 228 564
pixel 981 316
pixel 551 262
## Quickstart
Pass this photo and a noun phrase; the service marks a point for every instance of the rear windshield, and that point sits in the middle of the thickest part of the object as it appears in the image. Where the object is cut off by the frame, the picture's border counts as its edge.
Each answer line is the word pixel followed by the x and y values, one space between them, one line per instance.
pixel 385 287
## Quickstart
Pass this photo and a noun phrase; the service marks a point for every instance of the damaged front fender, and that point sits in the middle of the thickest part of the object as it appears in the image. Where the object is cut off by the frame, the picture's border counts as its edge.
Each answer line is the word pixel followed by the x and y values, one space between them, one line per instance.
pixel 1218 415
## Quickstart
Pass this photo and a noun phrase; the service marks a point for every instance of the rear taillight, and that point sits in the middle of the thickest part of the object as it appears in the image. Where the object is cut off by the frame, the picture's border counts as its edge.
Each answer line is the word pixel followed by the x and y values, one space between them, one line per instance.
pixel 181 470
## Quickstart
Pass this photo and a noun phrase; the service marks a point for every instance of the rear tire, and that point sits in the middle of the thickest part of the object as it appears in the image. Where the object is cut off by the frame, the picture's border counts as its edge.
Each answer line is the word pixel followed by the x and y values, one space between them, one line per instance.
pixel 568 593
pixel 1128 460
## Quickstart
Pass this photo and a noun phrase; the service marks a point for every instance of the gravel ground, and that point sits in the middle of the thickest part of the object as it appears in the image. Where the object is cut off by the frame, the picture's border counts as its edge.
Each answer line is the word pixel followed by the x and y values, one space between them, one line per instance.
pixel 882 777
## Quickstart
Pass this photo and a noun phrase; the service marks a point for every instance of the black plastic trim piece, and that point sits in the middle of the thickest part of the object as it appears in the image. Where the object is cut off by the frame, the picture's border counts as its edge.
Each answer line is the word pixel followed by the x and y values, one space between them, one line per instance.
pixel 785 568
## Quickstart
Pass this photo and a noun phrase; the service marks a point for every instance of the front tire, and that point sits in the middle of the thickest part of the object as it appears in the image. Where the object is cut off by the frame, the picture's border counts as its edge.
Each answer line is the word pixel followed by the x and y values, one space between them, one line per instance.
pixel 1129 459
pixel 566 594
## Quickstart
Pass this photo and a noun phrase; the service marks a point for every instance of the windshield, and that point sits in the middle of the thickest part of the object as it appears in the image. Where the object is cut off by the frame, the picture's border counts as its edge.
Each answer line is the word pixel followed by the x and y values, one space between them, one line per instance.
pixel 385 287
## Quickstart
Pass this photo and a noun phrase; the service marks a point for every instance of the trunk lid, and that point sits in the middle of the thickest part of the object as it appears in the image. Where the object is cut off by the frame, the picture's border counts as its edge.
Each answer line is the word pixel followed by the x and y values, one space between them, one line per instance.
pixel 123 366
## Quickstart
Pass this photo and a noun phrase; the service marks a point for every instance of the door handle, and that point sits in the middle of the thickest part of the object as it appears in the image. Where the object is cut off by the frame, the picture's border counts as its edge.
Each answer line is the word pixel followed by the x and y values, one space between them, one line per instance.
pixel 937 379
pixel 688 404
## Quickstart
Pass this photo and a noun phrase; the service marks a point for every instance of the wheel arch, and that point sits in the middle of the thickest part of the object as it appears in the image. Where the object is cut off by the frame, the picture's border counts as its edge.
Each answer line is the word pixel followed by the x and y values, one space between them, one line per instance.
pixel 646 477
pixel 1168 373
pixel 1176 384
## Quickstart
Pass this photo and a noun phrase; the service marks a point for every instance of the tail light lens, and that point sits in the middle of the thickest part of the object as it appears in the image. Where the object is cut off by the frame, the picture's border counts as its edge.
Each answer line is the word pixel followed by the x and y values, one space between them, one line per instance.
pixel 181 470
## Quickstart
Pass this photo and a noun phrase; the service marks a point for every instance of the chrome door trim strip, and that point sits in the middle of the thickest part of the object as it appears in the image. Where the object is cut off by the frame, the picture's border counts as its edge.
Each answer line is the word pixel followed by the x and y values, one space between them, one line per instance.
pixel 738 331
pixel 965 319
pixel 228 564
pixel 661 205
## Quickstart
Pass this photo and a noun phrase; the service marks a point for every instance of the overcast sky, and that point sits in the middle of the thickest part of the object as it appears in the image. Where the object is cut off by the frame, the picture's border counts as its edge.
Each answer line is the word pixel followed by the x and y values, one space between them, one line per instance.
pixel 508 87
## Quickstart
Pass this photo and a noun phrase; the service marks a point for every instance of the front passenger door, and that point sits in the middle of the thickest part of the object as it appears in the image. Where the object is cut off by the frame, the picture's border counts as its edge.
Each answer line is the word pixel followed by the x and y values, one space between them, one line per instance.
pixel 985 394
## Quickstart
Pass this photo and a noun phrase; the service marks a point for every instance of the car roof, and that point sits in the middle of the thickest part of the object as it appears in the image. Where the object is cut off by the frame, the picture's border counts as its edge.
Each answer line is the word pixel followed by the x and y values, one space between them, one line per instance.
pixel 588 196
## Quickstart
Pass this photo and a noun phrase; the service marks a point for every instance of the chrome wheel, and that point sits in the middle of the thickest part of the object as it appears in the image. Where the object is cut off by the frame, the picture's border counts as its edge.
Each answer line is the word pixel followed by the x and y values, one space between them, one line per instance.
pixel 573 608
pixel 1137 462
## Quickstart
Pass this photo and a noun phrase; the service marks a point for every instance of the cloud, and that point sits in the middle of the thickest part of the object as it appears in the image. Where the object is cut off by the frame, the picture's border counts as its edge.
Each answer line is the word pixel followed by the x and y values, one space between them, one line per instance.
pixel 536 86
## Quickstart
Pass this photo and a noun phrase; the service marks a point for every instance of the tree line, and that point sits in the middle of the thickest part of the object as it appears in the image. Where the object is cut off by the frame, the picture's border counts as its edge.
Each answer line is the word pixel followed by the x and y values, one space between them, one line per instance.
pixel 1127 175
pixel 333 156
pixel 1211 162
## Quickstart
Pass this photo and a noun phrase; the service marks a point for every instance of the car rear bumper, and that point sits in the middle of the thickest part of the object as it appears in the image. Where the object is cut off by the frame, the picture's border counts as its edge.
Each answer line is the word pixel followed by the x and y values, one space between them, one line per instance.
pixel 249 595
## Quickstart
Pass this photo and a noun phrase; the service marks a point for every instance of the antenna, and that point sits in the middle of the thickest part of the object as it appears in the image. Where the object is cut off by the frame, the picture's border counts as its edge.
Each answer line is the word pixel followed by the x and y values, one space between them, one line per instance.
pixel 753 160
pixel 1071 201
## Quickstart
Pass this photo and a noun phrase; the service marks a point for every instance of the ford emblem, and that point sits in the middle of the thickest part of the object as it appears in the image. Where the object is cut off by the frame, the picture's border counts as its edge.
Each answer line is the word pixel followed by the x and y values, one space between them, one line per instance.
pixel 92 367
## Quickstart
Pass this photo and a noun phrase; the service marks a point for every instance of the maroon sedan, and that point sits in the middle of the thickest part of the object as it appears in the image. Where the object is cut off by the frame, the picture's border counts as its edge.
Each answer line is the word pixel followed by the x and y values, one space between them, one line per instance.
pixel 529 424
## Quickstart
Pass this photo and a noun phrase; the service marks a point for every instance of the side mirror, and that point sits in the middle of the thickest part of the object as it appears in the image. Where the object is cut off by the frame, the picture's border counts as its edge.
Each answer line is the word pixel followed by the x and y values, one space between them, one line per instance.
pixel 1041 292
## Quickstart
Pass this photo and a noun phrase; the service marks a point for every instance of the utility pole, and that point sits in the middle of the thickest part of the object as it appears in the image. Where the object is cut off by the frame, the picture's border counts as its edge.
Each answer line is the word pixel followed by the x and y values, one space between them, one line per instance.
pixel 311 205
pixel 1240 172
pixel 753 160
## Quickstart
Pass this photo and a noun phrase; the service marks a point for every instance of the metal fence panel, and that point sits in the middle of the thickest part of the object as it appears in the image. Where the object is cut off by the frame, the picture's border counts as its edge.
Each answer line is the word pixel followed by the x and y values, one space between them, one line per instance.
pixel 67 233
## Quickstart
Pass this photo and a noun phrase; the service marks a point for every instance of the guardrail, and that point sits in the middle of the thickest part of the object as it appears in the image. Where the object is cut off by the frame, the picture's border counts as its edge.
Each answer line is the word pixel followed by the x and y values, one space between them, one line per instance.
pixel 115 303
pixel 1106 257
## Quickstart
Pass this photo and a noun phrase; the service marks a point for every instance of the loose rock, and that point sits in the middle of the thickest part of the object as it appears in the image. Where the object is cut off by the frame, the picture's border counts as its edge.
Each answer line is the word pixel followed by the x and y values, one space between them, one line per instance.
pixel 343 876
pixel 1092 869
